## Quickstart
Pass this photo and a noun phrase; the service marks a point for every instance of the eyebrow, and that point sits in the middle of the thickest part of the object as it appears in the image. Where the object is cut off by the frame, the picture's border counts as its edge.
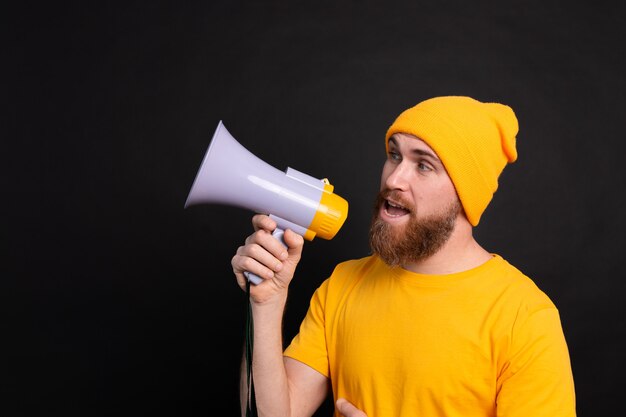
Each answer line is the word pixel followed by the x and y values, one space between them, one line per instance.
pixel 422 152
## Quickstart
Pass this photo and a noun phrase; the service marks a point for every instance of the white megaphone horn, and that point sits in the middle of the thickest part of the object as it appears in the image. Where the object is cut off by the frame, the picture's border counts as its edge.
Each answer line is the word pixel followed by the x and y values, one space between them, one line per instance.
pixel 232 175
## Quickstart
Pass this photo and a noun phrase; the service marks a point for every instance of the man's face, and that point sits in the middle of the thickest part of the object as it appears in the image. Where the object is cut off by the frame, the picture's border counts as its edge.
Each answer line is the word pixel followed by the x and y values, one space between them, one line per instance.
pixel 417 207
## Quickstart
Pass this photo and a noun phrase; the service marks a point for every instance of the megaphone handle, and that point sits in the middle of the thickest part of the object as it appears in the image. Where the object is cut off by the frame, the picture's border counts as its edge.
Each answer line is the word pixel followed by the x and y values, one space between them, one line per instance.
pixel 255 279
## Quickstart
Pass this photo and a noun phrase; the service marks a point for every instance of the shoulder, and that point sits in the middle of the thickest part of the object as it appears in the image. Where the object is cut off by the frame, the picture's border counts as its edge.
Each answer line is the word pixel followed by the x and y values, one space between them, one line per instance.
pixel 347 274
pixel 364 263
pixel 518 288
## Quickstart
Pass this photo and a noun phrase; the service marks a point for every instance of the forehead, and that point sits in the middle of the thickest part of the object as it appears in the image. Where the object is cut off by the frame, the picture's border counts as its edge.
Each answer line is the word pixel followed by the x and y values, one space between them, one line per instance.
pixel 408 142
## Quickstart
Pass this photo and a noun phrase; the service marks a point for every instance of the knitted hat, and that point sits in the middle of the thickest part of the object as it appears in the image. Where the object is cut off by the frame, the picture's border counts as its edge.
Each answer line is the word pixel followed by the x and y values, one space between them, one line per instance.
pixel 474 140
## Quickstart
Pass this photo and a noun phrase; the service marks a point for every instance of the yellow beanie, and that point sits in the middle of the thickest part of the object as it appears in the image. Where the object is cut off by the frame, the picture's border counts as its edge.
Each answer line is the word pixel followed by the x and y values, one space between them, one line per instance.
pixel 474 140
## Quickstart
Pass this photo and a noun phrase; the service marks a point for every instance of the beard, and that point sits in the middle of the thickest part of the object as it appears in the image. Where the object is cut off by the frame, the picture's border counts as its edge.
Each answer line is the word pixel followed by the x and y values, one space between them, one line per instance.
pixel 417 240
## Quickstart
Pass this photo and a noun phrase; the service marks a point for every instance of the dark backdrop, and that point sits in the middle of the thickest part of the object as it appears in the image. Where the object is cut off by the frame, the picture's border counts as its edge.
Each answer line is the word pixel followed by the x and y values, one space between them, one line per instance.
pixel 120 302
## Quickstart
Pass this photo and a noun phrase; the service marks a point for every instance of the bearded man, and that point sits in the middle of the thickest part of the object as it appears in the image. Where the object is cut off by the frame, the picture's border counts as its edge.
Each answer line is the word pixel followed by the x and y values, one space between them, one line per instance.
pixel 430 323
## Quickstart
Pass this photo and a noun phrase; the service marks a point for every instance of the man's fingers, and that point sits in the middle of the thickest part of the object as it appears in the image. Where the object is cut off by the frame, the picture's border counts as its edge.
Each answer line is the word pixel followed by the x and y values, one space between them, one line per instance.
pixel 268 253
pixel 263 221
pixel 347 409
pixel 254 258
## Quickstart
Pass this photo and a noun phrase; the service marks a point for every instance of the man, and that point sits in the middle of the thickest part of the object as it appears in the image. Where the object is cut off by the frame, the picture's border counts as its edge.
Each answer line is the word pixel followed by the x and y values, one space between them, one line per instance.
pixel 431 324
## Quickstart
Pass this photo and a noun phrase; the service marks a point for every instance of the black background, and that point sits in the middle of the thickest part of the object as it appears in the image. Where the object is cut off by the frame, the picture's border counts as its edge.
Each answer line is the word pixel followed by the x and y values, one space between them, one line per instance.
pixel 120 302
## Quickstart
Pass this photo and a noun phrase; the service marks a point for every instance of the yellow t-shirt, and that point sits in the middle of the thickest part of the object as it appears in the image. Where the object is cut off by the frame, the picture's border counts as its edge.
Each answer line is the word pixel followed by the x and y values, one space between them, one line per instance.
pixel 483 342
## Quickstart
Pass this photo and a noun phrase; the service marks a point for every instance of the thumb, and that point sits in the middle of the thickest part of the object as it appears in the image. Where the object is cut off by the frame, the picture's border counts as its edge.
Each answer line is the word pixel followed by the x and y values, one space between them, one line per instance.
pixel 294 244
pixel 347 409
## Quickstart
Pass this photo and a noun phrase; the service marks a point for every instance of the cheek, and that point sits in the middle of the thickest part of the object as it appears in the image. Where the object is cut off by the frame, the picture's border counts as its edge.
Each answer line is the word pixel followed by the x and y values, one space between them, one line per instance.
pixel 431 199
pixel 449 192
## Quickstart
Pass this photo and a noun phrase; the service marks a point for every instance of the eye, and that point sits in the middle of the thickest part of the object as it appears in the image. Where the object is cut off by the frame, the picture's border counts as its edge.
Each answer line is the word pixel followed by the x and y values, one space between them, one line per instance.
pixel 394 156
pixel 424 167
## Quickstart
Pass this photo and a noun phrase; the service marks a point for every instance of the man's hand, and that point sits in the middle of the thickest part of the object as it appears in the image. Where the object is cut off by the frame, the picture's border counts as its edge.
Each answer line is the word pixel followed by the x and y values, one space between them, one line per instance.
pixel 347 409
pixel 265 256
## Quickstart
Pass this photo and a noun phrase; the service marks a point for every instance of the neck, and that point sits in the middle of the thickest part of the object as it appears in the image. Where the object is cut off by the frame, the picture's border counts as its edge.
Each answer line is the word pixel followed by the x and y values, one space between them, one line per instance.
pixel 461 252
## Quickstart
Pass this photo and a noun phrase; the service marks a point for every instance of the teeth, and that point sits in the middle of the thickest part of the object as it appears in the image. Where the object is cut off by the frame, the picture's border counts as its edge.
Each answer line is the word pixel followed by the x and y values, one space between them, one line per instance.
pixel 395 205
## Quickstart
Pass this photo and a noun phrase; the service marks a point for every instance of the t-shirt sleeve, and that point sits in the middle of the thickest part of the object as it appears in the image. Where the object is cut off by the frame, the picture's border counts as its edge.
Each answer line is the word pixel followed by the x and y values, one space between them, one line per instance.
pixel 537 378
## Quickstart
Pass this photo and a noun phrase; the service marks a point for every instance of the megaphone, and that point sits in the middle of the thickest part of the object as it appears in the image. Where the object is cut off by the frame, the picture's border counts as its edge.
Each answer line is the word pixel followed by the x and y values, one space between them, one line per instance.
pixel 232 175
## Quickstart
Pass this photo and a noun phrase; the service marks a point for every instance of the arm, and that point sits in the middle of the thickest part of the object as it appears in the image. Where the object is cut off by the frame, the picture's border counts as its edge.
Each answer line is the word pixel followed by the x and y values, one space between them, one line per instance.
pixel 283 387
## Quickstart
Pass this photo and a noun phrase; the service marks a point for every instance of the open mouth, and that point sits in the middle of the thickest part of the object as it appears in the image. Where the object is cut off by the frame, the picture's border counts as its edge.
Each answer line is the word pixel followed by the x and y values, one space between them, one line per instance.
pixel 394 209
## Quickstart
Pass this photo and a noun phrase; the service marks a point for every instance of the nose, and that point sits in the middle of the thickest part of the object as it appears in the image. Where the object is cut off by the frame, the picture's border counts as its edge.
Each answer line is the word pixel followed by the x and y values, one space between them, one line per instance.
pixel 396 177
